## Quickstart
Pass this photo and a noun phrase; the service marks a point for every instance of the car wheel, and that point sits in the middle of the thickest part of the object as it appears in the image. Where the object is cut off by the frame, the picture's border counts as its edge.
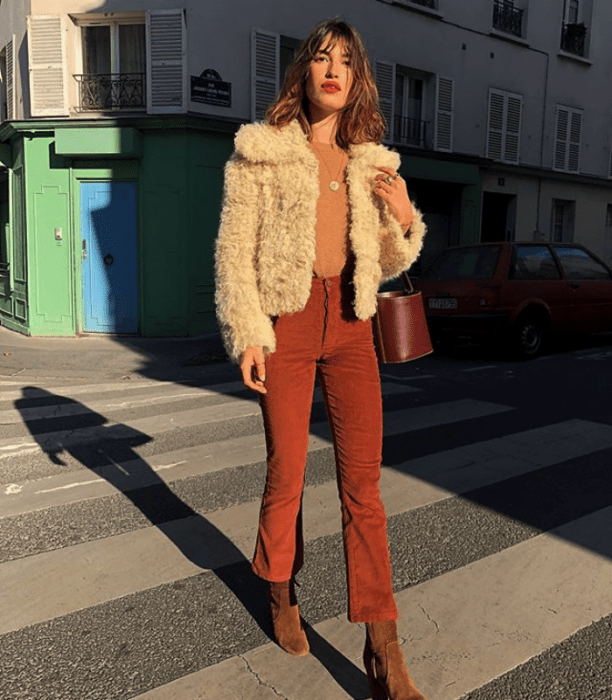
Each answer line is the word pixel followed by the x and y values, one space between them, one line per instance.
pixel 528 336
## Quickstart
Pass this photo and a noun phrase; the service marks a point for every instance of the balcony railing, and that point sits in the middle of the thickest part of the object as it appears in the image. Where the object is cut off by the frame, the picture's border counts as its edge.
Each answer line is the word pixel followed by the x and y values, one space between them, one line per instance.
pixel 116 91
pixel 507 18
pixel 411 132
pixel 573 38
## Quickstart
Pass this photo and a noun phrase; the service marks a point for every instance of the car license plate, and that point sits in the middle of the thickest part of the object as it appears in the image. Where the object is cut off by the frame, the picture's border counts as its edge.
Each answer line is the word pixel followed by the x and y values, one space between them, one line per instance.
pixel 442 303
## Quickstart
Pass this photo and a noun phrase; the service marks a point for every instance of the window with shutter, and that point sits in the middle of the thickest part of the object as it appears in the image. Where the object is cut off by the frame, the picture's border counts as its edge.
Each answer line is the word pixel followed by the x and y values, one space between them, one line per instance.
pixel 385 82
pixel 47 62
pixel 495 132
pixel 113 63
pixel 10 74
pixel 166 61
pixel 575 130
pixel 568 131
pixel 409 124
pixel 513 128
pixel 444 114
pixel 265 70
pixel 504 126
pixel 560 156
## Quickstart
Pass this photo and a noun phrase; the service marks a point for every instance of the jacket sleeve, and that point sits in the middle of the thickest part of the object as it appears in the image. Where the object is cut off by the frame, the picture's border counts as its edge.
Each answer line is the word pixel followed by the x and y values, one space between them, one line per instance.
pixel 241 320
pixel 398 250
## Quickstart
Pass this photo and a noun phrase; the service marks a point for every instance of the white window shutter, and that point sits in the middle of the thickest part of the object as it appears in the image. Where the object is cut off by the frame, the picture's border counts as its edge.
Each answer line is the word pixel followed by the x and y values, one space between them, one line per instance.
pixel 443 139
pixel 47 62
pixel 385 82
pixel 514 112
pixel 265 71
pixel 573 151
pixel 568 136
pixel 11 92
pixel 495 129
pixel 561 134
pixel 166 62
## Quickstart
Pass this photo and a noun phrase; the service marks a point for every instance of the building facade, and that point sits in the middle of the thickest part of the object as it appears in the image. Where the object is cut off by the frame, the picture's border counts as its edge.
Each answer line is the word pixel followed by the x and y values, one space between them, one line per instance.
pixel 116 118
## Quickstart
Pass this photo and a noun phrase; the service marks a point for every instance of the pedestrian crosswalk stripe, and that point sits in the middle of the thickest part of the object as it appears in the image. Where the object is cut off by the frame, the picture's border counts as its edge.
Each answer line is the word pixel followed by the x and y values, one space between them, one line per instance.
pixel 214 456
pixel 72 408
pixel 462 629
pixel 116 566
pixel 151 386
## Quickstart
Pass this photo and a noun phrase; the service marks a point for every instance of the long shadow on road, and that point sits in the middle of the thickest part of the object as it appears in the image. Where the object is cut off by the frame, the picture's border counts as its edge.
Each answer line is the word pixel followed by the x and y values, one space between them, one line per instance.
pixel 200 541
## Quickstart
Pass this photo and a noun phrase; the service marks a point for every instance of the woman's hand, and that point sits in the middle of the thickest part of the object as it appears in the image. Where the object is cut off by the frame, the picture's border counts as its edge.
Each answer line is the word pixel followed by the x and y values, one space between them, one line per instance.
pixel 391 188
pixel 253 368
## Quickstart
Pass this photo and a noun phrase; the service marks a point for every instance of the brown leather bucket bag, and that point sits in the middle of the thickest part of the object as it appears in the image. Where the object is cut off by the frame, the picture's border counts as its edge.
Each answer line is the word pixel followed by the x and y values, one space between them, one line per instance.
pixel 400 327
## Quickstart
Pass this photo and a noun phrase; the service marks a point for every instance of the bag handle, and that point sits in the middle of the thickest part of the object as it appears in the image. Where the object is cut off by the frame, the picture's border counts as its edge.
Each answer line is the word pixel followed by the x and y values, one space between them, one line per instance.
pixel 407 282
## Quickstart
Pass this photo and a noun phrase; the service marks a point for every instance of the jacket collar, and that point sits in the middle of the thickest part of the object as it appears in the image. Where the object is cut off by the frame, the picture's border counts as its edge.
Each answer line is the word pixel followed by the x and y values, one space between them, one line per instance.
pixel 262 143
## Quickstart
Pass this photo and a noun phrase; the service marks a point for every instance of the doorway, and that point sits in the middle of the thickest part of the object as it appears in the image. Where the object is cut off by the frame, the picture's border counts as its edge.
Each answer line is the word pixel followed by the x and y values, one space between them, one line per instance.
pixel 109 257
pixel 498 217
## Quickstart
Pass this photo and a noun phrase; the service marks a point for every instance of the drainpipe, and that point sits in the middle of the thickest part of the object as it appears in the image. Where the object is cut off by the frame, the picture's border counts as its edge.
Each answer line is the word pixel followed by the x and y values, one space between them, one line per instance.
pixel 537 234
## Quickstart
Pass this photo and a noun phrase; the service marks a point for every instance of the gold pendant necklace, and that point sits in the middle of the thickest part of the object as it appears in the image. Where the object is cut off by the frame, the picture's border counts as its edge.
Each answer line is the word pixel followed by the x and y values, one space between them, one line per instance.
pixel 334 185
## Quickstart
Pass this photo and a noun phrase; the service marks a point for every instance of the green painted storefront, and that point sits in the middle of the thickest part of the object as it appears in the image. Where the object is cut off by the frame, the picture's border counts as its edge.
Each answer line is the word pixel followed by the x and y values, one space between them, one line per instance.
pixel 175 167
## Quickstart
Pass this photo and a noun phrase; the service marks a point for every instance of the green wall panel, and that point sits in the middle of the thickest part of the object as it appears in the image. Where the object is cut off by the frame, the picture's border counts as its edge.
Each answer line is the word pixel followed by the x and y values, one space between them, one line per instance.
pixel 111 141
pixel 52 291
pixel 5 155
pixel 50 261
pixel 14 307
pixel 19 227
pixel 441 170
pixel 208 157
pixel 470 214
pixel 164 210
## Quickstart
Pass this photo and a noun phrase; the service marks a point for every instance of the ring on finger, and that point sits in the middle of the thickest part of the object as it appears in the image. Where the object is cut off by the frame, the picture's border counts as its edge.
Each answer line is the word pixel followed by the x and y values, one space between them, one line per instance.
pixel 389 180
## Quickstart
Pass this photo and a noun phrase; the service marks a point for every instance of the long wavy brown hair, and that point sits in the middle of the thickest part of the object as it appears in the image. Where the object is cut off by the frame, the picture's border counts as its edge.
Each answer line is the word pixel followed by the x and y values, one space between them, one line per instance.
pixel 360 120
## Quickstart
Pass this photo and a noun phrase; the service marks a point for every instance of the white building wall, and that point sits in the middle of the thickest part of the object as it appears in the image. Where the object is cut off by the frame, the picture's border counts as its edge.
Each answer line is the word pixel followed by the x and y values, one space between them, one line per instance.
pixel 460 45
pixel 13 23
pixel 458 41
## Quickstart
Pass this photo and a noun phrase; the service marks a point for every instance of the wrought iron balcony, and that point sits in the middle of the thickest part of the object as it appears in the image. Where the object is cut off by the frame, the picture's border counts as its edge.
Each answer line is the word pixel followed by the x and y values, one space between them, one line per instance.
pixel 411 132
pixel 116 91
pixel 573 38
pixel 507 18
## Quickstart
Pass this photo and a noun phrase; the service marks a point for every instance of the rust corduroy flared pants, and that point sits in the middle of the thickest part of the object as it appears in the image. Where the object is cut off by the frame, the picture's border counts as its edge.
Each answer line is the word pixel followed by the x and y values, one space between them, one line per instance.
pixel 326 338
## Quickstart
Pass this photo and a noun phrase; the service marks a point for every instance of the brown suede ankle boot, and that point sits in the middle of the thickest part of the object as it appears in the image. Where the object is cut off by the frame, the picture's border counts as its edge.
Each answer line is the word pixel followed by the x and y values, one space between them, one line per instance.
pixel 288 630
pixel 384 662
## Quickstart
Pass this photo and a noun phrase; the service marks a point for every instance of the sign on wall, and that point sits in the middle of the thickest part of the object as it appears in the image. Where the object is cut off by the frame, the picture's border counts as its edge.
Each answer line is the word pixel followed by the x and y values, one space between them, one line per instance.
pixel 208 88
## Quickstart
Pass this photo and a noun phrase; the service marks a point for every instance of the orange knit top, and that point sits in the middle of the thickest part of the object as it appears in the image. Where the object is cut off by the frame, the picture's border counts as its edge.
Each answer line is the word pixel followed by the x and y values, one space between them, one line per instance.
pixel 332 225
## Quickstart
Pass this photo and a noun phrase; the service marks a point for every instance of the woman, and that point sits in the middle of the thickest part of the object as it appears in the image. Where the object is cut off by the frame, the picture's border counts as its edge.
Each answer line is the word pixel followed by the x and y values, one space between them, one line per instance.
pixel 315 216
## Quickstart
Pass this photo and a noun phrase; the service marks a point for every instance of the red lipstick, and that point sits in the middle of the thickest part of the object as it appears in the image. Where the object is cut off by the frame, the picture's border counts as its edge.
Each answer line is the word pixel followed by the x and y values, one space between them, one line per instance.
pixel 330 86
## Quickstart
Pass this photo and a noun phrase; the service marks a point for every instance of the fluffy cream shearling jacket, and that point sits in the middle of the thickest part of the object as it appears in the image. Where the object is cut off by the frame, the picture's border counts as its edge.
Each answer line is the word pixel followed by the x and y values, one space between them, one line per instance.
pixel 265 250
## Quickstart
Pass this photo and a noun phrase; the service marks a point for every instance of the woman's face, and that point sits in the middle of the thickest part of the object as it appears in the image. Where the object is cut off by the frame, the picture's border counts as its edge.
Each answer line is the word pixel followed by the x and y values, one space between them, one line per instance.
pixel 330 78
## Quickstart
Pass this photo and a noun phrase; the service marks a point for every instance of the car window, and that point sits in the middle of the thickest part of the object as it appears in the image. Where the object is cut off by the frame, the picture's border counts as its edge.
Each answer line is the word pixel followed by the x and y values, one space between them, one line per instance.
pixel 534 262
pixel 579 265
pixel 474 262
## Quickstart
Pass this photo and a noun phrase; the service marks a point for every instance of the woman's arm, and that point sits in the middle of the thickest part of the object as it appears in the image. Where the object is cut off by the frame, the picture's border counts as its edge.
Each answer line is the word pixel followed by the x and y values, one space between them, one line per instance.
pixel 243 324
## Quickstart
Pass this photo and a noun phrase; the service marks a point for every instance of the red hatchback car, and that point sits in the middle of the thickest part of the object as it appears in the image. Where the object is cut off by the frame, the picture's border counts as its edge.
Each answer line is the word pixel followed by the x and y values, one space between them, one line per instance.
pixel 521 291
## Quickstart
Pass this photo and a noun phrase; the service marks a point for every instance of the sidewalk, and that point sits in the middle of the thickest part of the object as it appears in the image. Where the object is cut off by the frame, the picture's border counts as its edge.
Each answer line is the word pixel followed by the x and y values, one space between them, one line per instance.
pixel 104 357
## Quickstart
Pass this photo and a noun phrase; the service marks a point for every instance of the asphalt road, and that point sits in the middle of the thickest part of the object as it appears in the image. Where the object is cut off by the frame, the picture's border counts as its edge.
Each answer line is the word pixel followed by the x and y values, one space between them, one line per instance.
pixel 130 478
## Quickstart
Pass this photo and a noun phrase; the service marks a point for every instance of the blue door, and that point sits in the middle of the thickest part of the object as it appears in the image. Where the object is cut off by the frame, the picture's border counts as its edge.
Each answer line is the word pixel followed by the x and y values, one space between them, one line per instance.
pixel 109 257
